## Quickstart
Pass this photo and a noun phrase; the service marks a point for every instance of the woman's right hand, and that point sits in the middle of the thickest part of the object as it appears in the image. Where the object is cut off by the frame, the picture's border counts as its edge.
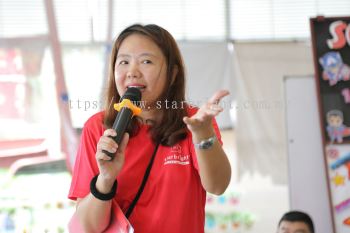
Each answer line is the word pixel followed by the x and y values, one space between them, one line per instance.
pixel 109 169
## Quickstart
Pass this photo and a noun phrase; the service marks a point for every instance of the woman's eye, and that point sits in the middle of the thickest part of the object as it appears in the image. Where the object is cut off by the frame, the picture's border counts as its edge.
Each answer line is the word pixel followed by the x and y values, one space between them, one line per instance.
pixel 147 62
pixel 123 62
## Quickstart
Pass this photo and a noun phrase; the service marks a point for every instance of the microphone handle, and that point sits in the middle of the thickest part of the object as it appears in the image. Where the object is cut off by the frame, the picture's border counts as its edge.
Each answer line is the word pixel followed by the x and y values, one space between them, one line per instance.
pixel 120 125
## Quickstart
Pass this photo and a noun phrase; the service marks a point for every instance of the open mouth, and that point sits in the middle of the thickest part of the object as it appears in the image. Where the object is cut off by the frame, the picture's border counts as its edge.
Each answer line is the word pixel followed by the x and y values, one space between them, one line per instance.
pixel 140 87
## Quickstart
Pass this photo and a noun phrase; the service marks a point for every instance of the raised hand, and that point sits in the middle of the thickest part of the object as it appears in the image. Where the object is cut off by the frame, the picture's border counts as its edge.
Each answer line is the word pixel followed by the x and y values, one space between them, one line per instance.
pixel 202 120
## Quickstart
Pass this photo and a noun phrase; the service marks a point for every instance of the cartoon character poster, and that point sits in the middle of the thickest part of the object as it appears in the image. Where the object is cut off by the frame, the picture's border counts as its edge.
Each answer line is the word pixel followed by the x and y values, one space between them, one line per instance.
pixel 331 47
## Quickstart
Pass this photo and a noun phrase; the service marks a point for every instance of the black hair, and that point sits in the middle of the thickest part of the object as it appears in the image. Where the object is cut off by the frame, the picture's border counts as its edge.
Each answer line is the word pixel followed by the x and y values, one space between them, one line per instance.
pixel 298 216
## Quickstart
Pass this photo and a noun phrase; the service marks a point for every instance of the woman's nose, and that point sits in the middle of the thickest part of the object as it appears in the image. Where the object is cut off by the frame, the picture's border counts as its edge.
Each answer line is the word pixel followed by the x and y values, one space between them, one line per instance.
pixel 133 71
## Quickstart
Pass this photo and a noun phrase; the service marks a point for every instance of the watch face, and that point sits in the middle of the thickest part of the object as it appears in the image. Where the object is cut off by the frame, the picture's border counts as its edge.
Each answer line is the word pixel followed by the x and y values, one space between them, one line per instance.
pixel 207 144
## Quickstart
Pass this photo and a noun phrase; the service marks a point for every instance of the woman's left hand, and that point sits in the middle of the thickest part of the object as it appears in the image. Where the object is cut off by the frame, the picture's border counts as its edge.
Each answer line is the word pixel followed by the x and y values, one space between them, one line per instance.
pixel 202 120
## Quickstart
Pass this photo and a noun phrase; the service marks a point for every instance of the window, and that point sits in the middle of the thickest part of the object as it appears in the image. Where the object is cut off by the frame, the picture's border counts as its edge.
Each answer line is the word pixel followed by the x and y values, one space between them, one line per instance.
pixel 87 20
pixel 22 18
pixel 81 20
pixel 184 19
pixel 280 19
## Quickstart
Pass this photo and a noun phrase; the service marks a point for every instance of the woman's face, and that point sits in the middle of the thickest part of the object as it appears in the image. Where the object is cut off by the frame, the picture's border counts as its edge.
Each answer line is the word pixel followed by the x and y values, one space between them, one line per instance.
pixel 140 63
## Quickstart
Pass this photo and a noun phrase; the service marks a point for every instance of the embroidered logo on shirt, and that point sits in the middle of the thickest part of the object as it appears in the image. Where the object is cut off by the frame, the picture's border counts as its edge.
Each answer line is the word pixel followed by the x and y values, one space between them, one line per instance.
pixel 176 149
pixel 176 156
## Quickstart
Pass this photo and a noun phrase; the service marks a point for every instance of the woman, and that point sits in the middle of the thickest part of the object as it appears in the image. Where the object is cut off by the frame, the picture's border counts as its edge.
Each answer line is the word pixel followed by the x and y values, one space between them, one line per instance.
pixel 188 162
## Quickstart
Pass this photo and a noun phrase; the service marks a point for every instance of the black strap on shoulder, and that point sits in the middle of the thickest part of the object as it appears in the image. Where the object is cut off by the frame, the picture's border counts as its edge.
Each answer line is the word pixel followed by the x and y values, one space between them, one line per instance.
pixel 142 186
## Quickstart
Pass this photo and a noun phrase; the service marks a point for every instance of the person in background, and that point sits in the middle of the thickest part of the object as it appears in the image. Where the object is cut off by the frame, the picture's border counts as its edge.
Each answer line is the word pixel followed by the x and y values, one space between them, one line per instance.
pixel 295 222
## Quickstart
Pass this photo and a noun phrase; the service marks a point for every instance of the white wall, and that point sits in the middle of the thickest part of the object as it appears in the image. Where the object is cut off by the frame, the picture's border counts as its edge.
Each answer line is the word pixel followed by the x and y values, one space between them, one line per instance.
pixel 261 127
pixel 261 133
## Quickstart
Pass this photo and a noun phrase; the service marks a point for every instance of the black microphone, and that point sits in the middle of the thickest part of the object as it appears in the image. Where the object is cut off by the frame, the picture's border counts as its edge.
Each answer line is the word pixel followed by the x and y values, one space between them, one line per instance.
pixel 127 108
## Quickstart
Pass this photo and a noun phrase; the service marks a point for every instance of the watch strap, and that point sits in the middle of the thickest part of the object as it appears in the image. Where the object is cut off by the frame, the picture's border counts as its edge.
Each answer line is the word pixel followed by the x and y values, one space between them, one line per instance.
pixel 206 143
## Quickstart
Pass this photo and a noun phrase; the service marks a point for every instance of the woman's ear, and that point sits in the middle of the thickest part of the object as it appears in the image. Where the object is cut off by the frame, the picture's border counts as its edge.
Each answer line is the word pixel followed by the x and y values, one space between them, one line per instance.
pixel 173 76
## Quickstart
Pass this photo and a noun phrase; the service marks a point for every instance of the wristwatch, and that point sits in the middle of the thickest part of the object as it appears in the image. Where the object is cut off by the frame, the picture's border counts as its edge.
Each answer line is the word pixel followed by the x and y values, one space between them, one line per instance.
pixel 206 143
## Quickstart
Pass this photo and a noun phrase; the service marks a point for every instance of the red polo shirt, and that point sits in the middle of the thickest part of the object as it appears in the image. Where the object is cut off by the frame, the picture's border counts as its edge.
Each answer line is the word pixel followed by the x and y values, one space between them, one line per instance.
pixel 173 200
